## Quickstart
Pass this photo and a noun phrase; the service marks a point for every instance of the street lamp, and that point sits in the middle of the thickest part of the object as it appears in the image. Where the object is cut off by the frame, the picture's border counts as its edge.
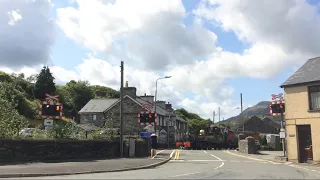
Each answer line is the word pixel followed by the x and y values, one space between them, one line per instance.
pixel 155 100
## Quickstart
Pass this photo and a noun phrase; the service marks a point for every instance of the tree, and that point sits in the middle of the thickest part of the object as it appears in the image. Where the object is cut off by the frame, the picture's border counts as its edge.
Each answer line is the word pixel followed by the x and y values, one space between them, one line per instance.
pixel 80 93
pixel 44 84
pixel 10 120
pixel 186 115
pixel 195 125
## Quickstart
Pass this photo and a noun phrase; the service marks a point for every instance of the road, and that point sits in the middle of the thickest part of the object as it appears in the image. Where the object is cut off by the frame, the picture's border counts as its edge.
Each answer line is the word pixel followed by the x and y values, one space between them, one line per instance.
pixel 208 164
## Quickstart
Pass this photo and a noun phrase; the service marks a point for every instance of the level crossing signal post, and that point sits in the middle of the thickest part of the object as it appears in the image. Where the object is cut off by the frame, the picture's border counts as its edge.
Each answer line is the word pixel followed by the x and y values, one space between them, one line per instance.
pixel 277 108
pixel 50 109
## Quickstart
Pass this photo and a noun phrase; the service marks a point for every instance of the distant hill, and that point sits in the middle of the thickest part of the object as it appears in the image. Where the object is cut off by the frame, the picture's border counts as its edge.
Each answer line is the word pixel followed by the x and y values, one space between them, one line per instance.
pixel 261 109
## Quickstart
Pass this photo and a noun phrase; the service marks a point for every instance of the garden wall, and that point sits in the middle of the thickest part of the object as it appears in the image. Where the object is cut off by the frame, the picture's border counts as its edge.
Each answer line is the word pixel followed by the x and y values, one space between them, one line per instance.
pixel 64 150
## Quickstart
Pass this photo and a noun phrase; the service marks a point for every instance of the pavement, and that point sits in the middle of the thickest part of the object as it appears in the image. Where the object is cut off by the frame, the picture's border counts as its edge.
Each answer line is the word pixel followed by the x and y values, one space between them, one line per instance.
pixel 84 167
pixel 208 164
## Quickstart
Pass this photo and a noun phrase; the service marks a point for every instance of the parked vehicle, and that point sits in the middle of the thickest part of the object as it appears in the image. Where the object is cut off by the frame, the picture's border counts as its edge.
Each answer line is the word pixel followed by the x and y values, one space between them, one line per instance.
pixel 27 131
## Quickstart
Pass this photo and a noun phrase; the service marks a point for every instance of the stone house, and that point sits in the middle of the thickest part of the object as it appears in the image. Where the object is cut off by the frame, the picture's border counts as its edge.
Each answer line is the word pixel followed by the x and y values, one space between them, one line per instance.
pixel 302 98
pixel 265 125
pixel 106 112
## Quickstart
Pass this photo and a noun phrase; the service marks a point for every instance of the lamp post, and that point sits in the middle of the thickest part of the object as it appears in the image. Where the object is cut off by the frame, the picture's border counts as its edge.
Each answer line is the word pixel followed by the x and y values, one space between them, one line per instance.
pixel 155 100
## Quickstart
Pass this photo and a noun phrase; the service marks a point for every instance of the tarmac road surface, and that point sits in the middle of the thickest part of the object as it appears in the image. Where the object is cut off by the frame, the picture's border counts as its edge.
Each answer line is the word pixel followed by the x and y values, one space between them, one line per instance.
pixel 207 164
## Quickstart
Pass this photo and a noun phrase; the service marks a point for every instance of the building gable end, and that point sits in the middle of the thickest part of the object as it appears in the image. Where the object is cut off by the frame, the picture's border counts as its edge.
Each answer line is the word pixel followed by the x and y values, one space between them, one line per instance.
pixel 114 104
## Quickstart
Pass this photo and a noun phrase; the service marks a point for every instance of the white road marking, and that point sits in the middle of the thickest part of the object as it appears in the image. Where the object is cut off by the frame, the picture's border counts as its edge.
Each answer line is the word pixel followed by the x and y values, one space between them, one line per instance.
pixel 234 161
pixel 205 151
pixel 216 157
pixel 272 162
pixel 183 174
pixel 172 153
pixel 194 160
pixel 219 166
pixel 157 154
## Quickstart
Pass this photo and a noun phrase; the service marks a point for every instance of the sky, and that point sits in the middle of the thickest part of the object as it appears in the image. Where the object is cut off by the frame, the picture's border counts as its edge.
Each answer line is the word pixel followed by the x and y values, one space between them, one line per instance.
pixel 213 49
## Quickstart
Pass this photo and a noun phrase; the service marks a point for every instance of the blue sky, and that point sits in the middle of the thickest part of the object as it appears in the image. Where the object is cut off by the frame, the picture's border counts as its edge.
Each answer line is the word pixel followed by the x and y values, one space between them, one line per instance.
pixel 254 56
pixel 227 40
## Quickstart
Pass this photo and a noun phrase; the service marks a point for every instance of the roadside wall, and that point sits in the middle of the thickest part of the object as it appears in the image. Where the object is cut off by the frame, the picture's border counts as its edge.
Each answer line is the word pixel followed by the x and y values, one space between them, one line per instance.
pixel 248 146
pixel 65 150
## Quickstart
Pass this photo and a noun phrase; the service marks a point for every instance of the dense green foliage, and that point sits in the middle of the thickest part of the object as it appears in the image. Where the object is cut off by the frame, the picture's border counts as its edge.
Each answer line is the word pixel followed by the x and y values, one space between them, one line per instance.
pixel 195 122
pixel 20 98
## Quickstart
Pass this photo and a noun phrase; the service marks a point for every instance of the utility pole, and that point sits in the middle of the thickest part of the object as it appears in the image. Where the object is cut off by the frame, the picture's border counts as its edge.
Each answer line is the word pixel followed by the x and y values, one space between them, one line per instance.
pixel 121 112
pixel 168 130
pixel 241 112
pixel 219 116
pixel 214 114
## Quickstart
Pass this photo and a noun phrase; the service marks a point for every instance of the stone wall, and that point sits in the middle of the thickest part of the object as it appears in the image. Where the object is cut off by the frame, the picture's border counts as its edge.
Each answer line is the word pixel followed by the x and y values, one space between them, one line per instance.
pixel 88 118
pixel 65 150
pixel 130 117
pixel 248 145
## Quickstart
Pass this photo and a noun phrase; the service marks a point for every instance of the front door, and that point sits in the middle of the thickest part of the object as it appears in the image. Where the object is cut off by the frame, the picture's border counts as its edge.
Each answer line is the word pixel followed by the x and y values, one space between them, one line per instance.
pixel 304 143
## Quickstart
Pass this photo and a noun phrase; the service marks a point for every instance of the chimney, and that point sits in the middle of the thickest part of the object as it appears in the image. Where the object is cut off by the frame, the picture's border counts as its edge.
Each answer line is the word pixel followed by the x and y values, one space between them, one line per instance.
pixel 161 104
pixel 130 91
pixel 168 106
pixel 148 98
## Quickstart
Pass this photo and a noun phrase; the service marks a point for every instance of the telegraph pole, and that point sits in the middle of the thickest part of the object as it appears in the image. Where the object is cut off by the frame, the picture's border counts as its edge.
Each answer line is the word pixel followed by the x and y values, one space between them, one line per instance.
pixel 219 116
pixel 214 114
pixel 241 112
pixel 121 112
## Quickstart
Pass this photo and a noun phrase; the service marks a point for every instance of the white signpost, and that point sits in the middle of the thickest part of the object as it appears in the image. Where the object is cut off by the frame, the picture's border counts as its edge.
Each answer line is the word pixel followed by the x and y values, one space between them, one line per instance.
pixel 48 123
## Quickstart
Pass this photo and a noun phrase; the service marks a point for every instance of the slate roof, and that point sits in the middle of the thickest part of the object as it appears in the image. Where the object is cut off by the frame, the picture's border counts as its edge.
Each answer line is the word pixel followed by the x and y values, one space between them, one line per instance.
pixel 271 122
pixel 309 72
pixel 97 105
pixel 160 110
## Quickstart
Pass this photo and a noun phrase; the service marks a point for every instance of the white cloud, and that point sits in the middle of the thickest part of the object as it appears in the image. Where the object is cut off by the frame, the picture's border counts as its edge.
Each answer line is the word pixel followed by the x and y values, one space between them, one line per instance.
pixel 26 32
pixel 152 33
pixel 281 32
pixel 151 38
pixel 14 17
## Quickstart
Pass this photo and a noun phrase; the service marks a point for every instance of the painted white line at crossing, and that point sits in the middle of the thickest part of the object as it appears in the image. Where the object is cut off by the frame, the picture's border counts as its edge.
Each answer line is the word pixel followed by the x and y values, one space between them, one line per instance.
pixel 215 157
pixel 172 153
pixel 157 154
pixel 220 165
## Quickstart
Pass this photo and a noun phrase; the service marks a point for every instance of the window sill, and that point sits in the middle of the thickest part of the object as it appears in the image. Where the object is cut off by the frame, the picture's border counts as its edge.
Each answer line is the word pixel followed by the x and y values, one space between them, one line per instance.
pixel 314 110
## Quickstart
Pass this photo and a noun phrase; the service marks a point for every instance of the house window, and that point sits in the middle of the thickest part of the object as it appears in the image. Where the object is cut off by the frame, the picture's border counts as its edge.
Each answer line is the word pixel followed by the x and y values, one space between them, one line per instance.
pixel 94 117
pixel 314 97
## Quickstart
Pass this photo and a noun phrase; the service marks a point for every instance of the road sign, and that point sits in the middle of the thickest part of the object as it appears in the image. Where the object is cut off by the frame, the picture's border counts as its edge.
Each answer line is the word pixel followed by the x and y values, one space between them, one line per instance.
pixel 149 128
pixel 277 108
pixel 51 110
pixel 145 134
pixel 48 122
pixel 277 96
pixel 282 135
pixel 146 118
pixel 53 97
pixel 148 106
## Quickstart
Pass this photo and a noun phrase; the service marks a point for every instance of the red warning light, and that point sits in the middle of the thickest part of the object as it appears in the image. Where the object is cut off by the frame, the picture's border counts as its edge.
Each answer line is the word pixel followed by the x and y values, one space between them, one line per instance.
pixel 58 108
pixel 150 116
